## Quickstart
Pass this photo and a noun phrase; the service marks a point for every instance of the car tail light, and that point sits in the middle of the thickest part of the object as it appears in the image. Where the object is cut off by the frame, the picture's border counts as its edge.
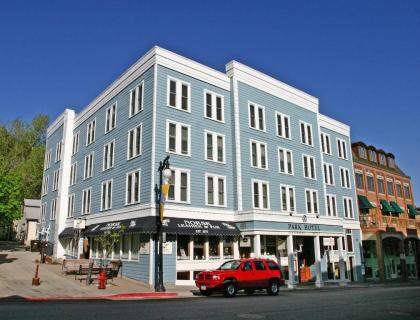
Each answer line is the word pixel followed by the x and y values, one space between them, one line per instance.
pixel 216 277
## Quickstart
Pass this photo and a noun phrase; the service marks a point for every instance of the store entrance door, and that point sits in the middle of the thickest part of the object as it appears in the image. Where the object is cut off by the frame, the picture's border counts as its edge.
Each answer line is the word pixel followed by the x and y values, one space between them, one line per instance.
pixel 392 258
pixel 304 247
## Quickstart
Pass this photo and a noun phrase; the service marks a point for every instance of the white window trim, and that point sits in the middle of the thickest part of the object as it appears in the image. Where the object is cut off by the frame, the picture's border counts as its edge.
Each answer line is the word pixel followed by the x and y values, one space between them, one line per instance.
pixel 345 186
pixel 288 198
pixel 94 131
pixel 110 156
pixel 215 135
pixel 306 124
pixel 83 202
pixel 85 177
pixel 70 212
pixel 104 208
pixel 56 180
pixel 177 191
pixel 73 174
pixel 285 160
pixel 138 110
pixel 344 207
pixel 53 213
pixel 178 142
pixel 214 95
pixel 340 143
pixel 45 185
pixel 259 164
pixel 106 117
pixel 309 167
pixel 257 106
pixel 328 182
pixel 76 141
pixel 178 101
pixel 43 211
pixel 329 203
pixel 215 177
pixel 260 194
pixel 311 191
pixel 58 151
pixel 134 141
pixel 282 116
pixel 323 143
pixel 132 189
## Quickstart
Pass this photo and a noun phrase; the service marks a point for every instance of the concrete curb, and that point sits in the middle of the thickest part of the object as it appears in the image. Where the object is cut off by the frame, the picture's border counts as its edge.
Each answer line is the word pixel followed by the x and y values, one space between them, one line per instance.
pixel 121 296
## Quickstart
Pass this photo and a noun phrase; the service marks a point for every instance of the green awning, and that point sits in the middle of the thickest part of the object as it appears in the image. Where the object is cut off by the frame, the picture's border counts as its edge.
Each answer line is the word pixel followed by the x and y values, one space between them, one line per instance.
pixel 412 211
pixel 396 207
pixel 364 203
pixel 386 206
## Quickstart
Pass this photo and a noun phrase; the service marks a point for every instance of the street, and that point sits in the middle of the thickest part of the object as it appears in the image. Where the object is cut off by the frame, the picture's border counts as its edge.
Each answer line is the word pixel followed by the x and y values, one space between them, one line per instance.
pixel 372 302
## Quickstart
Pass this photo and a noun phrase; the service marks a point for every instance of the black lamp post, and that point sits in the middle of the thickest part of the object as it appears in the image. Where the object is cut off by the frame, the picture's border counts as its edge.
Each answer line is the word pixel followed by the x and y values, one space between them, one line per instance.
pixel 164 173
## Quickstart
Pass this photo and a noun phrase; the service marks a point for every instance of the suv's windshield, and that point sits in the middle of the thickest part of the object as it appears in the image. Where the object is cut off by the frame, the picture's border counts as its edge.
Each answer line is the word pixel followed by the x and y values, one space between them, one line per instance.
pixel 230 265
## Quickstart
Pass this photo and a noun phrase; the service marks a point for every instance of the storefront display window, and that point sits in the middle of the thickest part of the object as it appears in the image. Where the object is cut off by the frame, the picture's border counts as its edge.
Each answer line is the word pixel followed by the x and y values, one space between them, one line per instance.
pixel 125 246
pixel 214 246
pixel 117 249
pixel 228 248
pixel 199 248
pixel 183 243
pixel 135 246
pixel 268 245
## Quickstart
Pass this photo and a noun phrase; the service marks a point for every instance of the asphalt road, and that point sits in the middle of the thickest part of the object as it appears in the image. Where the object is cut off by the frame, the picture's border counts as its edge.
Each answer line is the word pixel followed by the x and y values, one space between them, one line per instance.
pixel 379 302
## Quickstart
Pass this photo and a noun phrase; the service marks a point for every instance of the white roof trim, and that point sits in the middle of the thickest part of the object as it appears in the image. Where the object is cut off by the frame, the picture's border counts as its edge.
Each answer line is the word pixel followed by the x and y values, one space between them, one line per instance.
pixel 57 122
pixel 334 125
pixel 160 56
pixel 272 86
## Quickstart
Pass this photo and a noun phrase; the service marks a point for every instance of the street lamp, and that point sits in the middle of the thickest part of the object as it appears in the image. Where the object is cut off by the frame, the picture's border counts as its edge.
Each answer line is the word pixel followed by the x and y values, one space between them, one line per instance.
pixel 161 195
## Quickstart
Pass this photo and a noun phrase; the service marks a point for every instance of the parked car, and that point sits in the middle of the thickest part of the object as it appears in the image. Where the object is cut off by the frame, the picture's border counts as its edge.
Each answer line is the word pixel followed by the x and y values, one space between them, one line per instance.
pixel 246 274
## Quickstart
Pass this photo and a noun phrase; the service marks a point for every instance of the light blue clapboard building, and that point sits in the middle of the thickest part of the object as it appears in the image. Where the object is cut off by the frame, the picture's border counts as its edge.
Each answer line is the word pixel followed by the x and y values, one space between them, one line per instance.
pixel 257 171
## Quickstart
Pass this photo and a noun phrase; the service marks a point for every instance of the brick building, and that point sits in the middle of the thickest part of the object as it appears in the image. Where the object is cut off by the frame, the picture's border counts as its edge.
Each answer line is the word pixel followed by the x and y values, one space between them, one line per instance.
pixel 388 217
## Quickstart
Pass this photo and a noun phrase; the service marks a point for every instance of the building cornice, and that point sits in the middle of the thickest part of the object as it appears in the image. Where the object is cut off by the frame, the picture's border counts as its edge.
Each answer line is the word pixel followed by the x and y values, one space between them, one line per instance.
pixel 272 86
pixel 58 122
pixel 334 125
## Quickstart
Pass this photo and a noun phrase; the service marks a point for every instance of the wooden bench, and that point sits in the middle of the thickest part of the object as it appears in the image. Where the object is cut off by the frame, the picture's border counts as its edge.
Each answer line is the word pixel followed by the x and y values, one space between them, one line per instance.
pixel 71 266
pixel 84 271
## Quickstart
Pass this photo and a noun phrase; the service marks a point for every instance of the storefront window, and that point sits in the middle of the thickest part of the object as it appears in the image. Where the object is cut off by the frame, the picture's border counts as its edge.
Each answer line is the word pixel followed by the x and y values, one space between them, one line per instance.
pixel 268 245
pixel 135 246
pixel 228 248
pixel 214 247
pixel 199 247
pixel 100 250
pixel 94 248
pixel 183 247
pixel 117 249
pixel 125 246
pixel 282 246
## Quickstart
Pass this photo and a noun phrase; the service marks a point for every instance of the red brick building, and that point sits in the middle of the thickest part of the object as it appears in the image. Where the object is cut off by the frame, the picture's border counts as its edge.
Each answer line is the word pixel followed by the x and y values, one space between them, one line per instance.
pixel 388 217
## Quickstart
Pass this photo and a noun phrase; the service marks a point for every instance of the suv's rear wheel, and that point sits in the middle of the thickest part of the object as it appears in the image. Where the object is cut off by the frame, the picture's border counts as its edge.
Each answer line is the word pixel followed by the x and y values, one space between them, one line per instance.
pixel 273 288
pixel 230 289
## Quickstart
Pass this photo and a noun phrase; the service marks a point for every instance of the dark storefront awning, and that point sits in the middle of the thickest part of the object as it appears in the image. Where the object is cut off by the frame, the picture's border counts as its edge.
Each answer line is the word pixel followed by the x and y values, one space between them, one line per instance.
pixel 386 206
pixel 396 207
pixel 137 225
pixel 199 227
pixel 364 203
pixel 412 211
pixel 66 233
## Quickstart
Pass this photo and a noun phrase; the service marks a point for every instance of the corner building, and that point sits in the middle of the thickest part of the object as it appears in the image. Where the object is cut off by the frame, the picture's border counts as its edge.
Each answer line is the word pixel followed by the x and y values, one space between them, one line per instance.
pixel 257 171
pixel 388 216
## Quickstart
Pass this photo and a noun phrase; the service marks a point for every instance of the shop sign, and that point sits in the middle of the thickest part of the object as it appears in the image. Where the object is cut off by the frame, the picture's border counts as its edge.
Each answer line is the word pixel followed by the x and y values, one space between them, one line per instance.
pixel 245 242
pixel 329 242
pixel 144 248
pixel 303 227
pixel 167 248
pixel 79 223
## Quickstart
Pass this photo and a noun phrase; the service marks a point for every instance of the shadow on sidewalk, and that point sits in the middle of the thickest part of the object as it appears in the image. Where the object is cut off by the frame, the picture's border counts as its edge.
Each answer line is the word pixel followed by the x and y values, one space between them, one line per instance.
pixel 4 259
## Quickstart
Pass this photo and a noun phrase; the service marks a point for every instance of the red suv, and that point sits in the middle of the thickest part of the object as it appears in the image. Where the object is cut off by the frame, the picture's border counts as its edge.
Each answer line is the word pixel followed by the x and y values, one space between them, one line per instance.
pixel 245 274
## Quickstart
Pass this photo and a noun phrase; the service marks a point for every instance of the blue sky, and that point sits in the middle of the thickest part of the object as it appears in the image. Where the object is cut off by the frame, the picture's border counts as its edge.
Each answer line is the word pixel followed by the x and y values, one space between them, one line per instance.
pixel 360 58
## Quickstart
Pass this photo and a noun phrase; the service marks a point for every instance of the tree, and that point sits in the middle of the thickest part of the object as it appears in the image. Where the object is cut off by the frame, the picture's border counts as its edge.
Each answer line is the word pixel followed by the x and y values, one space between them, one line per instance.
pixel 10 197
pixel 109 238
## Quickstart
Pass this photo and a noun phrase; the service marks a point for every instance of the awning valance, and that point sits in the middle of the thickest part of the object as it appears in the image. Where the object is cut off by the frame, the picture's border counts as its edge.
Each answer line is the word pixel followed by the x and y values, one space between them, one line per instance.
pixel 412 211
pixel 364 203
pixel 136 225
pixel 67 233
pixel 386 207
pixel 396 207
pixel 199 227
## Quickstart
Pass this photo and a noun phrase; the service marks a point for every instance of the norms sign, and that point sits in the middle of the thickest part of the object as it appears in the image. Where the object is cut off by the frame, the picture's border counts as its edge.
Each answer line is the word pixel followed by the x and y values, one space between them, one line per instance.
pixel 304 227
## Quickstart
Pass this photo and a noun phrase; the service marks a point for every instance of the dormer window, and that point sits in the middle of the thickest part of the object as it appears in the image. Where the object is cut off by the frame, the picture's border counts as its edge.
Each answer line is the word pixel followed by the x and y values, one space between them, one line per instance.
pixel 391 162
pixel 382 159
pixel 372 156
pixel 362 152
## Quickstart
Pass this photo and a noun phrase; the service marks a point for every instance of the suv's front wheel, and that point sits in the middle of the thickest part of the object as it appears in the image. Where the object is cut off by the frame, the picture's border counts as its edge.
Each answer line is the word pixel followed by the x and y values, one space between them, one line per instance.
pixel 230 289
pixel 273 288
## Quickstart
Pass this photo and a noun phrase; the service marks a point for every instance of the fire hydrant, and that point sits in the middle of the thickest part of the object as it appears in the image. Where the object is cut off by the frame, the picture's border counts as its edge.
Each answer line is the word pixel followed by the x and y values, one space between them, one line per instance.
pixel 102 280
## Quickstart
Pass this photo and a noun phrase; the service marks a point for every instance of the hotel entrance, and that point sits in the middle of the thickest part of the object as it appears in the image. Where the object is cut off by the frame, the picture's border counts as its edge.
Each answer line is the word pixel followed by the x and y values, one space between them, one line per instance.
pixel 304 248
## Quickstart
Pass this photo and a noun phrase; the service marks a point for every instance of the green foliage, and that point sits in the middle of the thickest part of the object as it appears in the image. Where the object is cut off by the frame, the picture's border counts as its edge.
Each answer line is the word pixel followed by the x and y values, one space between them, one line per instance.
pixel 109 238
pixel 22 149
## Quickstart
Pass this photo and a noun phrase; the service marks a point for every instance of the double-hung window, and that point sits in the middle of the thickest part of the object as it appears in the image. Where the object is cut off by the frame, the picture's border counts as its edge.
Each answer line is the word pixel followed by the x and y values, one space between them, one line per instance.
pixel 331 202
pixel 47 162
pixel 45 185
pixel 111 118
pixel 325 143
pixel 178 138
pixel 134 142
pixel 390 187
pixel 256 116
pixel 132 194
pixel 309 170
pixel 75 148
pixel 260 194
pixel 287 195
pixel 215 190
pixel 311 201
pixel 215 146
pixel 258 154
pixel 109 152
pixel 43 211
pixel 53 209
pixel 407 192
pixel 342 149
pixel 90 132
pixel 58 151
pixel 73 173
pixel 88 169
pixel 56 179
pixel 370 183
pixel 70 206
pixel 328 174
pixel 179 186
pixel 381 185
pixel 285 161
pixel 283 125
pixel 399 189
pixel 179 93
pixel 214 106
pixel 106 195
pixel 345 177
pixel 348 207
pixel 86 200
pixel 359 180
pixel 306 133
pixel 136 99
